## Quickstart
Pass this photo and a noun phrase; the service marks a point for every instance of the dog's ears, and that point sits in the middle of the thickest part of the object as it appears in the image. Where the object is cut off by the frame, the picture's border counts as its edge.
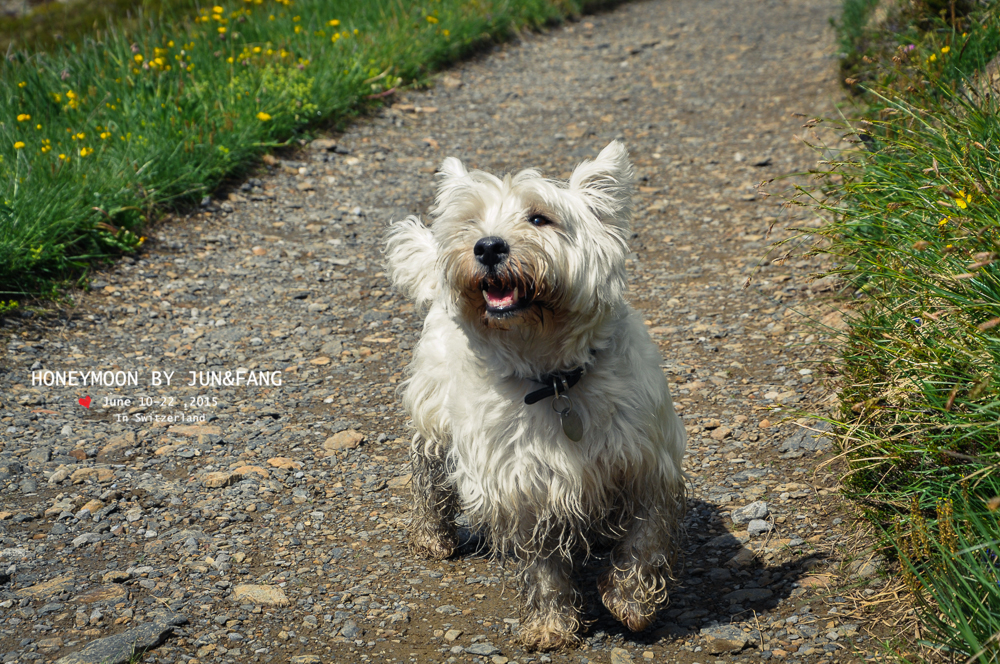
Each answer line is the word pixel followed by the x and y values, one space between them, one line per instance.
pixel 606 182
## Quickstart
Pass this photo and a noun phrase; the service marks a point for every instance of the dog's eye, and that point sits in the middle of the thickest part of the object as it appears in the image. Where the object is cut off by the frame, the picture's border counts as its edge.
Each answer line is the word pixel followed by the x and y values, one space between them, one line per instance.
pixel 539 220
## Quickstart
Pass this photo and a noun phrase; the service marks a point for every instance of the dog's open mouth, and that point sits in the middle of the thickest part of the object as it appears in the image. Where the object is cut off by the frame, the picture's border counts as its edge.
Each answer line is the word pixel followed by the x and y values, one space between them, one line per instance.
pixel 503 298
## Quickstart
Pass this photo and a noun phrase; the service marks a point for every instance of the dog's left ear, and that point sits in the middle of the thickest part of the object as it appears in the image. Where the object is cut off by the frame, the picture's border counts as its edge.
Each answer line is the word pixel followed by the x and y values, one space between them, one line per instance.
pixel 452 177
pixel 607 183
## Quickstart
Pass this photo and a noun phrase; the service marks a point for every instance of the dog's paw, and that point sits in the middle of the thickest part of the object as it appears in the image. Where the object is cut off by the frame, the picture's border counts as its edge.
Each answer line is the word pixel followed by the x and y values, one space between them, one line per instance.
pixel 622 598
pixel 437 544
pixel 553 633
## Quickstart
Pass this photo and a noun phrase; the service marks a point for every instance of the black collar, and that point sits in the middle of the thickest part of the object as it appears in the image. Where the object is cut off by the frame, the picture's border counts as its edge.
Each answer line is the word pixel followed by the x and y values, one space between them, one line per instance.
pixel 563 380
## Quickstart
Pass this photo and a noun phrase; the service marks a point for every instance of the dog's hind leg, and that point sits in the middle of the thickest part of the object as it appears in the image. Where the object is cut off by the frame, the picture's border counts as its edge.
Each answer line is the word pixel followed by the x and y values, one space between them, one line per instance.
pixel 644 561
pixel 553 614
pixel 433 532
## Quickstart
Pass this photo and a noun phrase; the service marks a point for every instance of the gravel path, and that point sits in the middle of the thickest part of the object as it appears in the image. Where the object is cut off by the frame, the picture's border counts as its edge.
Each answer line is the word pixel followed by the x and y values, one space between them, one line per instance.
pixel 274 529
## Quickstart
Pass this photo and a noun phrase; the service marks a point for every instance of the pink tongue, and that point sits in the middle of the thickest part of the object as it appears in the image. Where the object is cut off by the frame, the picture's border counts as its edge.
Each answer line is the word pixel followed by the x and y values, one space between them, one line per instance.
pixel 500 298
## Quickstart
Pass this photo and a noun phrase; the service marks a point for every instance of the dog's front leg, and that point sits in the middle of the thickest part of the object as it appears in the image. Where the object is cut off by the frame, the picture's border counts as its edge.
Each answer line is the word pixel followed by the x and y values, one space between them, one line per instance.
pixel 644 560
pixel 553 614
pixel 433 532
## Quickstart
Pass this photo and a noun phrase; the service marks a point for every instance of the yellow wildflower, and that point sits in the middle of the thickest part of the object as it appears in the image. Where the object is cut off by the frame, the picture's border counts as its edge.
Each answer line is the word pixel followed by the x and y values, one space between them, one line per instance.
pixel 18 145
pixel 334 23
pixel 105 135
pixel 85 151
pixel 23 117
pixel 943 221
pixel 138 57
pixel 945 49
pixel 22 84
pixel 431 19
pixel 263 117
pixel 217 9
pixel 963 200
pixel 222 29
pixel 933 58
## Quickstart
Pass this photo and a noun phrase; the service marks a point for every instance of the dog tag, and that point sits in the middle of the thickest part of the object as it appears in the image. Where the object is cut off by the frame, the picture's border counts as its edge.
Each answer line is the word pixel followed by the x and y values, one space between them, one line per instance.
pixel 572 425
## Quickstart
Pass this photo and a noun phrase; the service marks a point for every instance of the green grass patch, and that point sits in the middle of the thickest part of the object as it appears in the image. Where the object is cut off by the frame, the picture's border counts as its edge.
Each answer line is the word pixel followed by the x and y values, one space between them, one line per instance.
pixel 879 37
pixel 915 230
pixel 96 136
pixel 54 23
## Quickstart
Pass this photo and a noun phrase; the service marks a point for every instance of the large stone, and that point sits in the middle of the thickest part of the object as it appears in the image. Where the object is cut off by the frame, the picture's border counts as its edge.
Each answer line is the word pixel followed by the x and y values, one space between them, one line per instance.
pixel 620 656
pixel 109 594
pixel 120 648
pixel 755 510
pixel 246 471
pixel 727 638
pixel 56 586
pixel 218 479
pixel 759 527
pixel 254 594
pixel 284 462
pixel 482 649
pixel 348 439
pixel 400 482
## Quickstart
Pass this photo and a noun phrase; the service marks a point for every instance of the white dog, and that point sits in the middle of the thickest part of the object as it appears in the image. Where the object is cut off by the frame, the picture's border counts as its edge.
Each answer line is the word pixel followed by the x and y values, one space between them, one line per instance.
pixel 536 392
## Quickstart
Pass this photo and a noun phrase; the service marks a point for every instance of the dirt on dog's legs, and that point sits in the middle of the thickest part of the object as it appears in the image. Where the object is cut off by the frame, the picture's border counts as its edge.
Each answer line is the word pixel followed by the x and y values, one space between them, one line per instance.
pixel 553 613
pixel 644 562
pixel 435 505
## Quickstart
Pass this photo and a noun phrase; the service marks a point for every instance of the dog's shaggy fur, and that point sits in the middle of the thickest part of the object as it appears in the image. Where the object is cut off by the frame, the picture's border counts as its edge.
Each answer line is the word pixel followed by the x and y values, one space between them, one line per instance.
pixel 525 277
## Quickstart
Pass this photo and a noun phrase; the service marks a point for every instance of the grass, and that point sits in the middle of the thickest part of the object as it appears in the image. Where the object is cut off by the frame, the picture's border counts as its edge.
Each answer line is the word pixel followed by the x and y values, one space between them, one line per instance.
pixel 915 229
pixel 99 135
pixel 54 23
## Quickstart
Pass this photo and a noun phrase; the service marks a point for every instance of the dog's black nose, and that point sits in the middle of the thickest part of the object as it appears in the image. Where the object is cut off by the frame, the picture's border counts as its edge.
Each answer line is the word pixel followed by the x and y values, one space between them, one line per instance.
pixel 491 250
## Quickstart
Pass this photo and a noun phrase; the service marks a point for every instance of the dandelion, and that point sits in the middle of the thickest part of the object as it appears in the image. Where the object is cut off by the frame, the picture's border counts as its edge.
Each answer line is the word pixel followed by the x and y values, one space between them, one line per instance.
pixel 105 135
pixel 62 157
pixel 222 29
pixel 217 9
pixel 22 84
pixel 18 145
pixel 23 117
pixel 38 127
pixel 431 20
pixel 138 57
pixel 334 23
pixel 263 117
pixel 445 32
pixel 945 49
pixel 85 151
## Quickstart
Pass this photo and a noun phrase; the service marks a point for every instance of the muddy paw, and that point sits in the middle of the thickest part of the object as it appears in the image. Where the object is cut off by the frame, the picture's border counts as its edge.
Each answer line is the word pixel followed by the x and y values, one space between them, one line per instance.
pixel 436 543
pixel 622 600
pixel 552 634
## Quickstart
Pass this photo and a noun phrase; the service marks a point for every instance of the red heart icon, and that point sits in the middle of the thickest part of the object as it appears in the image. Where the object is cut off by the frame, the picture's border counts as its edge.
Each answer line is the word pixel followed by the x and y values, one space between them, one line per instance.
pixel 85 402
